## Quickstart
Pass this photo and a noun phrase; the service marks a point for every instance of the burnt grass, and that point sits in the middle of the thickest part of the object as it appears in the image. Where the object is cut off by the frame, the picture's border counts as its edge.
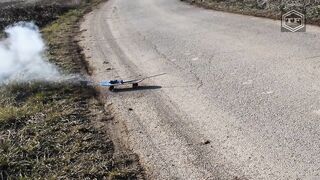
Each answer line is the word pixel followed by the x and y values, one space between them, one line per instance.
pixel 40 14
pixel 48 130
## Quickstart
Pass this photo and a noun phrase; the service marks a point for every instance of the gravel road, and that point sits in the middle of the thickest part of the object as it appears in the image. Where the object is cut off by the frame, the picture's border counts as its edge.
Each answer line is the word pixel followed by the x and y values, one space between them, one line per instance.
pixel 240 99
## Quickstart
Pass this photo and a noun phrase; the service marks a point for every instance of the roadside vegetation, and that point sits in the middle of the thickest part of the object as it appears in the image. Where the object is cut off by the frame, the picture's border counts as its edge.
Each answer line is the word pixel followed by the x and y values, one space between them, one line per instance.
pixel 261 8
pixel 47 130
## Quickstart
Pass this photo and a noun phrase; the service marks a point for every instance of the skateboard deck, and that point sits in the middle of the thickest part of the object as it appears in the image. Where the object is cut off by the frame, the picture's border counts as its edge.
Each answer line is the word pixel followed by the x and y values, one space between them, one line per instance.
pixel 135 82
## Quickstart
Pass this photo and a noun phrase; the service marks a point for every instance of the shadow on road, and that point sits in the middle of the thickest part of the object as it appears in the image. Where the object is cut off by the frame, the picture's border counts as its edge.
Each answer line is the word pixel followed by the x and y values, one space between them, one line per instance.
pixel 139 88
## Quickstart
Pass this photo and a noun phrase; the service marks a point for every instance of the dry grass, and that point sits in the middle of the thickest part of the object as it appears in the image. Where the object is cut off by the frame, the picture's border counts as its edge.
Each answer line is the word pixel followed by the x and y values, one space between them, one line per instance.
pixel 47 129
pixel 45 132
pixel 250 7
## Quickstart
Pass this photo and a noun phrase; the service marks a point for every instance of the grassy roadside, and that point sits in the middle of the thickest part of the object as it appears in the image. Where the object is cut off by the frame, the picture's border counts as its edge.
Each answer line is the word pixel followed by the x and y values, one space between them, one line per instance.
pixel 249 7
pixel 271 10
pixel 47 130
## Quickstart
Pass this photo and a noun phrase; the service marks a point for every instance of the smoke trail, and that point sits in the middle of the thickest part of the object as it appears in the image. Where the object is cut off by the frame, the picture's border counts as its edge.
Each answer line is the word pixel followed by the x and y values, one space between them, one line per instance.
pixel 22 55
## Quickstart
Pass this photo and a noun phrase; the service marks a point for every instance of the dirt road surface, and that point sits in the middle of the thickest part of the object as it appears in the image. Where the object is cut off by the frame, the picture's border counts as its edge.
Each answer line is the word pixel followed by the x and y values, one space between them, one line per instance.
pixel 240 99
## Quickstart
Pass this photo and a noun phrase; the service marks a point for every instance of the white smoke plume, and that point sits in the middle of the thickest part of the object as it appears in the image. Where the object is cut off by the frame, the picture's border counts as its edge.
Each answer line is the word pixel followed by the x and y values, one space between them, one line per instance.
pixel 22 55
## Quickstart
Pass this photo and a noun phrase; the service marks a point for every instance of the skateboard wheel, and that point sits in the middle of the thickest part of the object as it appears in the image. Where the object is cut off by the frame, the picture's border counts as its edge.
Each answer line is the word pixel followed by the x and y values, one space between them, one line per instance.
pixel 135 85
pixel 111 88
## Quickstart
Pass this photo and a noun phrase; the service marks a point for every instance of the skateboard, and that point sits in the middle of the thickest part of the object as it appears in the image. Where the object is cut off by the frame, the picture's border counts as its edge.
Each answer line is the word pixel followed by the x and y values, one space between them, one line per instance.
pixel 113 83
pixel 135 82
